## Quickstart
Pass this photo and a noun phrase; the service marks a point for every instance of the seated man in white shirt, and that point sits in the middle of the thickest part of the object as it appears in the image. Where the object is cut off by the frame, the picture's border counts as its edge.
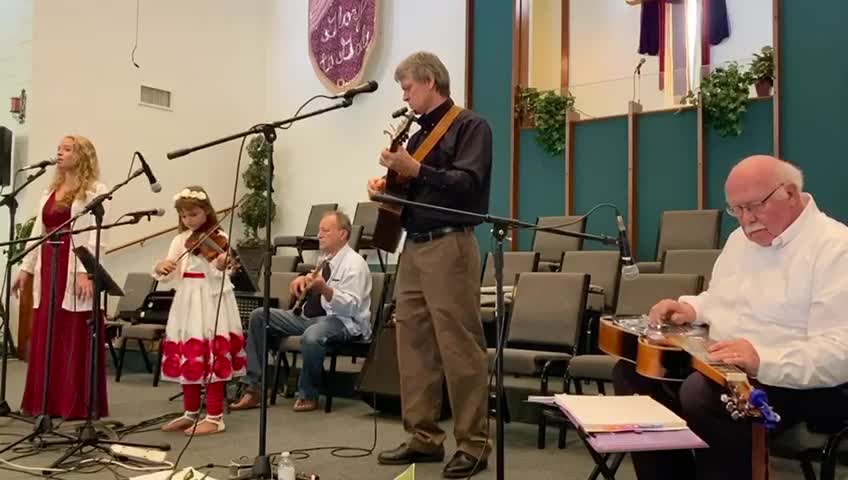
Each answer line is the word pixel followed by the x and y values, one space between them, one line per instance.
pixel 777 305
pixel 337 310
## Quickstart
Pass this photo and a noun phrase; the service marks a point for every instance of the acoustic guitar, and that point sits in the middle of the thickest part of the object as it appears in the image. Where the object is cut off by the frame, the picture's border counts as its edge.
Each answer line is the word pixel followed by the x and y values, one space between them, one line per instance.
pixel 671 352
pixel 388 229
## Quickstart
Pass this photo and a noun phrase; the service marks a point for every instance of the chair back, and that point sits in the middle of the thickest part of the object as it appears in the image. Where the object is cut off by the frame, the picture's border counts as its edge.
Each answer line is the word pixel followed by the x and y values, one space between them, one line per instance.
pixel 551 246
pixel 355 237
pixel 514 263
pixel 688 230
pixel 136 288
pixel 378 296
pixel 280 287
pixel 637 296
pixel 699 262
pixel 547 309
pixel 283 263
pixel 366 215
pixel 603 267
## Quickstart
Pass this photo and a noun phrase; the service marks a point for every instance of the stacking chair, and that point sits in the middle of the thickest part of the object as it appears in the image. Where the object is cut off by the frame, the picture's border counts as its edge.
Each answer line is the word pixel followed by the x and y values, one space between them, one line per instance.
pixel 543 330
pixel 552 247
pixel 129 312
pixel 685 230
pixel 699 262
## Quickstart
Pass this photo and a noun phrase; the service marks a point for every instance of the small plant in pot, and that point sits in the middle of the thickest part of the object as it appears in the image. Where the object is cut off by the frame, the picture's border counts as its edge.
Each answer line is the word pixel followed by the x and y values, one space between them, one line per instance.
pixel 724 98
pixel 762 69
pixel 547 111
pixel 254 208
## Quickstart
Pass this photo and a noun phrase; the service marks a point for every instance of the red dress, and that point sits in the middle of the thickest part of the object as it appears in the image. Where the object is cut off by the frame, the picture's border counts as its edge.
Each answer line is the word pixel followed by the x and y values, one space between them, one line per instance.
pixel 69 364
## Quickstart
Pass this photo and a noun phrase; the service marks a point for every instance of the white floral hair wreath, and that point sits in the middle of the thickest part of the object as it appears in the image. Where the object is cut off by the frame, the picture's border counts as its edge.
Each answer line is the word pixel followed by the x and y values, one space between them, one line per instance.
pixel 186 193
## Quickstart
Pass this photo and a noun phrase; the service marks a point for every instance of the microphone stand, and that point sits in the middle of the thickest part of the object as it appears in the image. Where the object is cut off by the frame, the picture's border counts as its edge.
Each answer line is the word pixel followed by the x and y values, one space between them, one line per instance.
pixel 262 464
pixel 10 200
pixel 43 424
pixel 500 226
pixel 87 433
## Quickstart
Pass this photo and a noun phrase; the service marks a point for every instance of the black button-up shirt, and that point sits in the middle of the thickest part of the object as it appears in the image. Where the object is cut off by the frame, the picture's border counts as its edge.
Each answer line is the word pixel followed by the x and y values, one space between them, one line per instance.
pixel 455 174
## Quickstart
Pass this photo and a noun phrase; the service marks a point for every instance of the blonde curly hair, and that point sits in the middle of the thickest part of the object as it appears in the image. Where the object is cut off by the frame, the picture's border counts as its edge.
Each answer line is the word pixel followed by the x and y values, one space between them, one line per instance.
pixel 86 175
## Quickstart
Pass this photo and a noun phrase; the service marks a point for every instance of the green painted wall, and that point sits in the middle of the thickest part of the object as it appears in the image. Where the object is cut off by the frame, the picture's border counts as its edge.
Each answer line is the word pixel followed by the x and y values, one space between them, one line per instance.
pixel 600 173
pixel 666 173
pixel 541 184
pixel 491 96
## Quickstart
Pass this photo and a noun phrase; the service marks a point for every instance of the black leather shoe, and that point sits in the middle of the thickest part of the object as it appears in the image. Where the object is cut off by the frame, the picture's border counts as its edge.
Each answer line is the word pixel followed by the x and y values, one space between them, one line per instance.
pixel 403 455
pixel 463 465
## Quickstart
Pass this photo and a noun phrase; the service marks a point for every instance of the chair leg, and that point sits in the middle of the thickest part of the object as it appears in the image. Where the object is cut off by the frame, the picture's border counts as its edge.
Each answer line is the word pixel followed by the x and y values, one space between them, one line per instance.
pixel 144 356
pixel 276 385
pixel 380 259
pixel 328 385
pixel 601 388
pixel 542 426
pixel 158 372
pixel 290 391
pixel 112 352
pixel 562 437
pixel 120 367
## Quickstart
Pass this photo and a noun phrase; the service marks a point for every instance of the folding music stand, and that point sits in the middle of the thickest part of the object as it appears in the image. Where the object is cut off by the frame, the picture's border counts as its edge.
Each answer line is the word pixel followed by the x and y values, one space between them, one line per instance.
pixel 90 265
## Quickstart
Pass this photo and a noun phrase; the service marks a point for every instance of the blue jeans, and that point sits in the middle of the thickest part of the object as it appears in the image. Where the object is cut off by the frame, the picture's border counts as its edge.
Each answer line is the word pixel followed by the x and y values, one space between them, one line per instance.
pixel 316 333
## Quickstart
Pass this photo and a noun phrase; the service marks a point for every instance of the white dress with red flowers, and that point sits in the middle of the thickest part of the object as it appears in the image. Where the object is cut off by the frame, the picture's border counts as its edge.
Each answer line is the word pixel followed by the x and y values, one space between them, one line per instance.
pixel 191 333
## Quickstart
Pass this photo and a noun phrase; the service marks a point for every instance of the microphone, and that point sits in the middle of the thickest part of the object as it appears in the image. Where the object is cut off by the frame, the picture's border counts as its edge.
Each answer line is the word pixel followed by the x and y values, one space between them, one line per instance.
pixel 629 270
pixel 154 185
pixel 42 164
pixel 156 212
pixel 364 88
pixel 400 111
pixel 638 70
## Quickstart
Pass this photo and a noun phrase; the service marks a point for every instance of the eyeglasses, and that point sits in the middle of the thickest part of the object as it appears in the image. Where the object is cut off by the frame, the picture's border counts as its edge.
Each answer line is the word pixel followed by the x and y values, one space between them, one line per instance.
pixel 753 208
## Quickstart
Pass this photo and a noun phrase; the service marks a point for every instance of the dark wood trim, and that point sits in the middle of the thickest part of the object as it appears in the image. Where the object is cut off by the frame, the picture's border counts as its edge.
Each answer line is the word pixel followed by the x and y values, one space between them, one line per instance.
pixel 469 54
pixel 570 120
pixel 632 197
pixel 514 137
pixel 775 32
pixel 523 13
pixel 565 42
pixel 702 179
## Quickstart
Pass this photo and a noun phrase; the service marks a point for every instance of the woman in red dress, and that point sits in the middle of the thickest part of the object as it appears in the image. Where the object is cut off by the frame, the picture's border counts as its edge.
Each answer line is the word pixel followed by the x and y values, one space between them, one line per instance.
pixel 75 184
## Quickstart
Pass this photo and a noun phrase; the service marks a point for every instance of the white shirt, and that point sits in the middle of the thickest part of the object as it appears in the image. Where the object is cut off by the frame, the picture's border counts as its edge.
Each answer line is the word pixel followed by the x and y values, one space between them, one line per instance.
pixel 790 300
pixel 32 262
pixel 350 279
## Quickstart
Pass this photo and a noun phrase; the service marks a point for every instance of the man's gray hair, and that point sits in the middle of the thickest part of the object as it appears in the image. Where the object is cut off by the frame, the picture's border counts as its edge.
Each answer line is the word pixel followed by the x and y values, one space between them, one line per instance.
pixel 342 220
pixel 424 66
pixel 790 174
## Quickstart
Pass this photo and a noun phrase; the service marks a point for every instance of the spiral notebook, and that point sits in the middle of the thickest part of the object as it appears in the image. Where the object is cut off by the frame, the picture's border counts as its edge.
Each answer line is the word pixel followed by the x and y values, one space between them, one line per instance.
pixel 599 413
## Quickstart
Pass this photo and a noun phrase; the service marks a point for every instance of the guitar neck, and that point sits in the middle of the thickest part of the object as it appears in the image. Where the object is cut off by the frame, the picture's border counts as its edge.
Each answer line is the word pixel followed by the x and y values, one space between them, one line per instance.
pixel 719 372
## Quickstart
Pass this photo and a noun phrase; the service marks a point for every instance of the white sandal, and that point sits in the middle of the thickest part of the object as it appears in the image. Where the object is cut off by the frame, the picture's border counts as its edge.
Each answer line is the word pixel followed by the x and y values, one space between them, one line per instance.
pixel 181 423
pixel 208 426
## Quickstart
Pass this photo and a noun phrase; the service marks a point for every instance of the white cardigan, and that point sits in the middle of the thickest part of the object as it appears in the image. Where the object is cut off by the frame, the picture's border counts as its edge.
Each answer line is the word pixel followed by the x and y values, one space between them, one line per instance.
pixel 32 262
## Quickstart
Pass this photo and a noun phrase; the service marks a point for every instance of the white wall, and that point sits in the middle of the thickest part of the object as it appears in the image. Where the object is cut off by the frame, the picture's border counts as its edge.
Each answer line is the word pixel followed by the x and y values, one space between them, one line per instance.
pixel 210 53
pixel 15 74
pixel 604 52
pixel 330 158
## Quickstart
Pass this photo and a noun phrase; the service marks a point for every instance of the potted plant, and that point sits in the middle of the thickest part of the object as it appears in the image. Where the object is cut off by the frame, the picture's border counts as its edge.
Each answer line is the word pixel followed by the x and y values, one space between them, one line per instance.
pixel 762 69
pixel 548 111
pixel 724 98
pixel 254 208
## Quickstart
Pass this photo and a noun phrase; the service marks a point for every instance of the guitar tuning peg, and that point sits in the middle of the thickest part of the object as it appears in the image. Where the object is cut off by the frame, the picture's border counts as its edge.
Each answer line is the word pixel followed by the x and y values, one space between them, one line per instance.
pixel 736 415
pixel 724 398
pixel 730 407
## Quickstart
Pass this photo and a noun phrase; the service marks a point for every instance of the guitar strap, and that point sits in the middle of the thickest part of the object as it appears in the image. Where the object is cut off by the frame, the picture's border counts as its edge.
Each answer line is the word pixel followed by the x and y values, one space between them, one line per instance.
pixel 433 138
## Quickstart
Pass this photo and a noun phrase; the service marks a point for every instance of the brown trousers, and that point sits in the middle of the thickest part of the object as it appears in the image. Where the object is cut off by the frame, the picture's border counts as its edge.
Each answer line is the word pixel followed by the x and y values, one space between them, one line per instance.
pixel 440 335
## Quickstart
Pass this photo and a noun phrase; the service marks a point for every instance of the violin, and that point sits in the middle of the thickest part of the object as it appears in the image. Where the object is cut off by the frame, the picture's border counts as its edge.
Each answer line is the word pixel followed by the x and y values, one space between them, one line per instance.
pixel 207 246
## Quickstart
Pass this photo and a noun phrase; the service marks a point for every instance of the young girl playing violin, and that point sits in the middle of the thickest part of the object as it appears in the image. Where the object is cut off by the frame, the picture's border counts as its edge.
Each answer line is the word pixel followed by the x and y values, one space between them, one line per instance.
pixel 202 346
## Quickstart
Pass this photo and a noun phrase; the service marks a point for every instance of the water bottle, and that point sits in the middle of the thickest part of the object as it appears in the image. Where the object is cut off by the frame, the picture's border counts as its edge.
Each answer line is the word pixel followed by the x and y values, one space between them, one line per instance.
pixel 285 468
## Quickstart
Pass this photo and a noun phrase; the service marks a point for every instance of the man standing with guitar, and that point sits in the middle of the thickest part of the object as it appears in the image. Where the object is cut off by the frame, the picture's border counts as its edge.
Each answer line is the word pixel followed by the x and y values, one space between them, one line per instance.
pixel 776 304
pixel 439 331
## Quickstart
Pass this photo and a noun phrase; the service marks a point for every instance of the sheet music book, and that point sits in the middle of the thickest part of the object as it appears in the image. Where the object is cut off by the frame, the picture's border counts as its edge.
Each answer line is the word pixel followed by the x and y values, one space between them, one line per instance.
pixel 619 413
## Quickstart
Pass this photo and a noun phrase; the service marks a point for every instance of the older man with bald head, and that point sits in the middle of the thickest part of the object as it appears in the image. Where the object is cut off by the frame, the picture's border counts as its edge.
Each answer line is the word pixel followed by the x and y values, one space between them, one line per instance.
pixel 777 306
